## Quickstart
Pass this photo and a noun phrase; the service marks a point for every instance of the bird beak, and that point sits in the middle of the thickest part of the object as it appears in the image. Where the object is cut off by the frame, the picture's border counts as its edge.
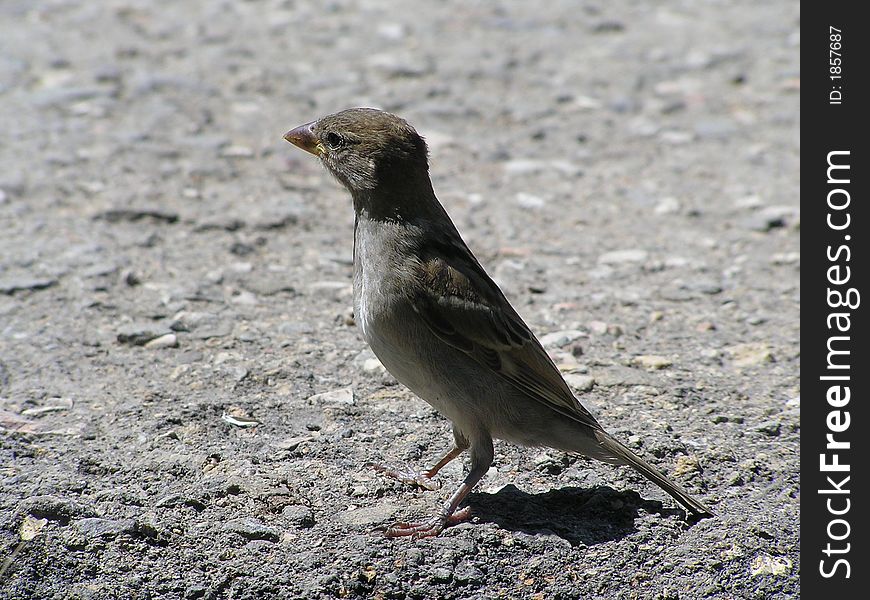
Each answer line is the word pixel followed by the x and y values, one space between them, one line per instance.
pixel 303 136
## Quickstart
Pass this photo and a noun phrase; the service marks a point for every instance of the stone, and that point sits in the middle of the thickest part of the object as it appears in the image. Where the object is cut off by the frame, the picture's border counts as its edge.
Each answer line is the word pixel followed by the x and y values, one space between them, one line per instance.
pixel 368 362
pixel 216 330
pixel 399 65
pixel 169 340
pixel 369 515
pixel 252 529
pixel 275 219
pixel 558 339
pixel 236 372
pixel 597 327
pixel 237 152
pixel 94 527
pixel 201 325
pixel 623 256
pixel 529 200
pixel 219 222
pixel 54 508
pixel 467 574
pixel 526 166
pixel 652 362
pixel 580 383
pixel 175 500
pixel 750 354
pixel 770 428
pixel 765 564
pixel 441 575
pixel 686 465
pixel 772 217
pixel 751 201
pixel 31 527
pixel 19 284
pixel 120 214
pixel 667 206
pixel 298 515
pixel 139 334
pixel 786 258
pixel 343 396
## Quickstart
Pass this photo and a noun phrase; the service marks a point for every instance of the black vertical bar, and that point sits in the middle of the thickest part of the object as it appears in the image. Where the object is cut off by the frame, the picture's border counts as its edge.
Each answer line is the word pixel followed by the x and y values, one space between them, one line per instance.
pixel 834 227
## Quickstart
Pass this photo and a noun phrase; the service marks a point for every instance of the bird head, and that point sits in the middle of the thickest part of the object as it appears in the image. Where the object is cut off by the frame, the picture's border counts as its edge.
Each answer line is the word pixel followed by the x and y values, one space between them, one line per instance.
pixel 367 150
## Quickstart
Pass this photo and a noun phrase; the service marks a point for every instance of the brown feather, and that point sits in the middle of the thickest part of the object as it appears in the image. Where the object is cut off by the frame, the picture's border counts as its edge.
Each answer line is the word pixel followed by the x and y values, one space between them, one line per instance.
pixel 464 308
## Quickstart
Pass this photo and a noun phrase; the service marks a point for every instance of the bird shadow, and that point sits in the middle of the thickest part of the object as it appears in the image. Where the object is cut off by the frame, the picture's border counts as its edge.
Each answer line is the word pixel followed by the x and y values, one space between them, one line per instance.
pixel 581 516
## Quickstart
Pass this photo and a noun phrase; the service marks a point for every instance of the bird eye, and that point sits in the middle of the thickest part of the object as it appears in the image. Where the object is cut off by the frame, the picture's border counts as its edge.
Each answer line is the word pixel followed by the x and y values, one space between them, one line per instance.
pixel 334 140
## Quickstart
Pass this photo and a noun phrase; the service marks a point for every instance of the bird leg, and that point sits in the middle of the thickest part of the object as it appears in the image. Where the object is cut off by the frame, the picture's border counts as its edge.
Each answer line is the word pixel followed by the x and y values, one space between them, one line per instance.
pixel 424 479
pixel 447 516
pixel 481 459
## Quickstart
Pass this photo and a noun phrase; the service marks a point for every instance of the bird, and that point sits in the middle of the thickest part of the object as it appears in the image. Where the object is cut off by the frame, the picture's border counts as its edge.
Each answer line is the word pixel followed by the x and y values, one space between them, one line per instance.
pixel 440 325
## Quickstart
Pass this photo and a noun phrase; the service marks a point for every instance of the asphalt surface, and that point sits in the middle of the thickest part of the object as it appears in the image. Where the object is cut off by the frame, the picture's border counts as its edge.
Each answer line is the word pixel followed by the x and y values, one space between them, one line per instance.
pixel 186 409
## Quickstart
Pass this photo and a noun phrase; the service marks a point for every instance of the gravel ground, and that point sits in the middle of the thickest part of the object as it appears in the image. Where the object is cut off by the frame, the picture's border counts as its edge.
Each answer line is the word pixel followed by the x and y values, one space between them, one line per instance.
pixel 186 408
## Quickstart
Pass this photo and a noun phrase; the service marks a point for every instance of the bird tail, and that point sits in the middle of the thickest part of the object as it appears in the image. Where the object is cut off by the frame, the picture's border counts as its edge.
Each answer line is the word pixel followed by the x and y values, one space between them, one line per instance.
pixel 628 457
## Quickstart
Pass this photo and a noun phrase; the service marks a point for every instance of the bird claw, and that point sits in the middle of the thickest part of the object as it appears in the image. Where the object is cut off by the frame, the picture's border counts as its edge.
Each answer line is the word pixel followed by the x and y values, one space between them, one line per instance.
pixel 429 528
pixel 409 476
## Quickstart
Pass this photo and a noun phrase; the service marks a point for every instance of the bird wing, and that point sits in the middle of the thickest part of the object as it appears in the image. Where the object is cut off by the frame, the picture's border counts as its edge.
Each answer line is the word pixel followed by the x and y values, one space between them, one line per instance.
pixel 463 307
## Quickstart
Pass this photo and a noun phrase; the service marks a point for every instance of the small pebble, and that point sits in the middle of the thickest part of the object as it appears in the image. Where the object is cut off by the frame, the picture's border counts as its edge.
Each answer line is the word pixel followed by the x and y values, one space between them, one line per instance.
pixel 686 465
pixel 139 334
pixel 466 573
pixel 342 396
pixel 652 362
pixel 529 200
pixel 54 508
pixel 251 529
pixel 94 527
pixel 770 428
pixel 298 515
pixel 580 383
pixel 623 256
pixel 667 206
pixel 750 354
pixel 786 258
pixel 168 340
pixel 237 152
pixel 558 339
pixel 368 516
pixel 765 564
pixel 12 285
pixel 441 575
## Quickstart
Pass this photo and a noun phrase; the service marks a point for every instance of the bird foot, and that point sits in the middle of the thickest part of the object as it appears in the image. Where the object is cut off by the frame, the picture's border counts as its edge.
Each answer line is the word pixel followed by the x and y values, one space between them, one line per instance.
pixel 429 528
pixel 409 476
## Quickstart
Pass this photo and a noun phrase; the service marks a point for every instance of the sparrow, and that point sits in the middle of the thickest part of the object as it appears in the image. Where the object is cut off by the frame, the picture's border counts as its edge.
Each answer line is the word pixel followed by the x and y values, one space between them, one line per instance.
pixel 438 322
